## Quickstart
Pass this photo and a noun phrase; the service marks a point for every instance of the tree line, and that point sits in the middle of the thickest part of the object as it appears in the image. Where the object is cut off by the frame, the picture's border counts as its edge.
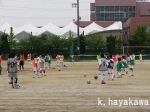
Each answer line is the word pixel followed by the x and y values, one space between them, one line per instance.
pixel 91 44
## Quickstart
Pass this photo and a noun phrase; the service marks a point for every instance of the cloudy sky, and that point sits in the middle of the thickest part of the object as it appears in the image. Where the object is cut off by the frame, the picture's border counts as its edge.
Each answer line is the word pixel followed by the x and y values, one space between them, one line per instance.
pixel 41 12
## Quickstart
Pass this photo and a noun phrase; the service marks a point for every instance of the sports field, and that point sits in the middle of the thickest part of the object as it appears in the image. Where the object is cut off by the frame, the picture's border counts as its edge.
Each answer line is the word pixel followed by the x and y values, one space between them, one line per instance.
pixel 67 90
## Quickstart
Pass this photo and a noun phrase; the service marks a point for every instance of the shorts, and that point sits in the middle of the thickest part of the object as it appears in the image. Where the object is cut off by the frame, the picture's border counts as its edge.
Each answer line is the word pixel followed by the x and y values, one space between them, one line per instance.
pixel 130 66
pixel 35 69
pixel 110 70
pixel 102 72
pixel 42 69
pixel 29 59
pixel 13 75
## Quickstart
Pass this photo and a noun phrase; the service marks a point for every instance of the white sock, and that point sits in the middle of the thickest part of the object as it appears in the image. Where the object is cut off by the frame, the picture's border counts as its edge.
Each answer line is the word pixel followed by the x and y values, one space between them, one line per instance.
pixel 101 77
pixel 9 79
pixel 104 77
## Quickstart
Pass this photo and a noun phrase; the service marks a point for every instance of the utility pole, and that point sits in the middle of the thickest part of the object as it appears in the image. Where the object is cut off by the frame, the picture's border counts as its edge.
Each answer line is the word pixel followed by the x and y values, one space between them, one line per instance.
pixel 78 36
pixel 76 5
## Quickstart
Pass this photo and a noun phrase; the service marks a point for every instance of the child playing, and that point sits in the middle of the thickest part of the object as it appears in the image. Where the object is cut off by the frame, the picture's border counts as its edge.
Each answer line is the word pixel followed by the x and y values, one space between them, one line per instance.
pixel 102 68
pixel 42 66
pixel 119 68
pixel 110 68
pixel 125 66
pixel 13 70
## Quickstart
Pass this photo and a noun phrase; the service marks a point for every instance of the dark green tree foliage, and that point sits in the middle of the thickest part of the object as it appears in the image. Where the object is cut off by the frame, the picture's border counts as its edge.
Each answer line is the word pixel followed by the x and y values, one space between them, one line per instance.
pixel 140 37
pixel 5 45
pixel 111 42
pixel 11 38
pixel 95 41
pixel 82 44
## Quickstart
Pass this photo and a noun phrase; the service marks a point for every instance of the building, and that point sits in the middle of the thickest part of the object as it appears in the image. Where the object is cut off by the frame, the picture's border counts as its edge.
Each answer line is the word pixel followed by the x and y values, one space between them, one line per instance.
pixel 130 25
pixel 119 10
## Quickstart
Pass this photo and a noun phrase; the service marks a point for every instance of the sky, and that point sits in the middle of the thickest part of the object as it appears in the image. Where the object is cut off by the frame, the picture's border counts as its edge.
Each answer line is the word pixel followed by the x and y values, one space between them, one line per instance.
pixel 41 12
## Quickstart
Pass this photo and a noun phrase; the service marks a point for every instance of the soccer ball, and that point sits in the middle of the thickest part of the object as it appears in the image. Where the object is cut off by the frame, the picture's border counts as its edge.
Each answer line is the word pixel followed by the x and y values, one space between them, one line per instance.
pixel 95 77
pixel 16 86
pixel 53 67
pixel 88 81
pixel 84 74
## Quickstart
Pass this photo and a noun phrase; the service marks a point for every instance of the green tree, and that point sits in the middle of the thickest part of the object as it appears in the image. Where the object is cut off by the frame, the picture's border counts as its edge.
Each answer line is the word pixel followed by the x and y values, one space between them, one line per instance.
pixel 111 42
pixel 4 44
pixel 140 37
pixel 95 41
pixel 82 44
pixel 11 39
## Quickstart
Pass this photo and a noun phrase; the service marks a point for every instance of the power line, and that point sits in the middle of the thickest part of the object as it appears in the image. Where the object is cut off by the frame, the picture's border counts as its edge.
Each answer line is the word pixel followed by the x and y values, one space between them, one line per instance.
pixel 35 9
pixel 21 17
pixel 51 1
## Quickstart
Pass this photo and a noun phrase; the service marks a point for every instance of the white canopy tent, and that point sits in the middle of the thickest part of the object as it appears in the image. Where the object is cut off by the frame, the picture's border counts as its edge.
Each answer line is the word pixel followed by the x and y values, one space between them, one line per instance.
pixel 70 29
pixel 93 28
pixel 25 30
pixel 114 26
pixel 6 28
pixel 49 29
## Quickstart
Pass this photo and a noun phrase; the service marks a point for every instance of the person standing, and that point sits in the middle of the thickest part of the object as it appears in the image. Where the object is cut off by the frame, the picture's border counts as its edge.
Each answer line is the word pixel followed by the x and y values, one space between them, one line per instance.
pixel 110 68
pixel 119 68
pixel 13 70
pixel 21 62
pixel 29 56
pixel 140 58
pixel 103 67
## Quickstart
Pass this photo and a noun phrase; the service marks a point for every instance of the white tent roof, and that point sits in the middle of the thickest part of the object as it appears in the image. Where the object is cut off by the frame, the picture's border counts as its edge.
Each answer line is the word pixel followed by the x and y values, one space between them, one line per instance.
pixel 93 28
pixel 5 28
pixel 70 27
pixel 27 28
pixel 49 28
pixel 114 26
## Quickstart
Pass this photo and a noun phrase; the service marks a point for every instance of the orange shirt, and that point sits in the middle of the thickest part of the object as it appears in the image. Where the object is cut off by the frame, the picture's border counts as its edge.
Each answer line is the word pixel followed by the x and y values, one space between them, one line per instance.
pixel 114 59
pixel 0 59
pixel 21 58
pixel 58 57
pixel 34 64
pixel 29 56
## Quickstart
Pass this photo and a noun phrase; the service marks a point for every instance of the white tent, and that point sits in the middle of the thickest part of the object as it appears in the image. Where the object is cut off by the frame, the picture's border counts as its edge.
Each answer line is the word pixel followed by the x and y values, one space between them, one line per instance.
pixel 114 26
pixel 50 29
pixel 70 29
pixel 93 28
pixel 5 28
pixel 28 28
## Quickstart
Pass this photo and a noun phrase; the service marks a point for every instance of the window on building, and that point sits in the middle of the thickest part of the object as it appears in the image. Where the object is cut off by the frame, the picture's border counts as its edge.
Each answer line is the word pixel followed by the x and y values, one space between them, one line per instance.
pixel 107 16
pixel 102 8
pixel 117 8
pixel 130 8
pixel 107 8
pixel 121 8
pixel 149 12
pixel 112 8
pixel 97 9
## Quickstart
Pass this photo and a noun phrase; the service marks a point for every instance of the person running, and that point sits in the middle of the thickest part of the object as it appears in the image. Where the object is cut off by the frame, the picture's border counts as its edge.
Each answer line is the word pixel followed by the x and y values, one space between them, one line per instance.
pixel 103 67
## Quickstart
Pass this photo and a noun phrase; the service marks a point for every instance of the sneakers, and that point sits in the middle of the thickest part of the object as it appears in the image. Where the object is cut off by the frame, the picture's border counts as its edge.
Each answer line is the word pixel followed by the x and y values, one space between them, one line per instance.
pixel 119 76
pixel 131 75
pixel 103 82
pixel 39 76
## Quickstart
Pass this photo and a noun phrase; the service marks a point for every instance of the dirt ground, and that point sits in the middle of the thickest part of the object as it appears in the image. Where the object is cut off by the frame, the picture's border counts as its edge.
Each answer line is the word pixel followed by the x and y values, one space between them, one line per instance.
pixel 67 90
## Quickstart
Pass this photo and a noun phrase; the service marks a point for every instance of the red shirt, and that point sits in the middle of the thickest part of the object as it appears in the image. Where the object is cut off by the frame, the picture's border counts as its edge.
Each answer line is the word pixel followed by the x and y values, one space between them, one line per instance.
pixel 29 56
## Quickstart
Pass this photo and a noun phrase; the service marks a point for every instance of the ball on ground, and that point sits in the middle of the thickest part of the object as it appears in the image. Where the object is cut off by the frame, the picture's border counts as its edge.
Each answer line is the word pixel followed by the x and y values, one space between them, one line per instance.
pixel 88 81
pixel 84 74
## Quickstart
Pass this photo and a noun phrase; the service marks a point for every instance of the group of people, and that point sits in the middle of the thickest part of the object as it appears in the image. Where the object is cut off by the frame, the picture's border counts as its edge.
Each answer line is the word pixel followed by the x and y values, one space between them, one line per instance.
pixel 106 64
